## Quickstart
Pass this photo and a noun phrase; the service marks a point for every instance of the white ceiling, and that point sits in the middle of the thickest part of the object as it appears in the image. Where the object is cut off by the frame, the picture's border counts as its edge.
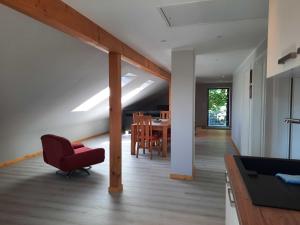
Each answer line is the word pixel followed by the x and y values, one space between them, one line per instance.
pixel 221 39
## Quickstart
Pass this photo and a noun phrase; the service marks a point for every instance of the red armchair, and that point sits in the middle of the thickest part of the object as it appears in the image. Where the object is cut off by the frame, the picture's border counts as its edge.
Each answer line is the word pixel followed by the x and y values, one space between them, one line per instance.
pixel 60 153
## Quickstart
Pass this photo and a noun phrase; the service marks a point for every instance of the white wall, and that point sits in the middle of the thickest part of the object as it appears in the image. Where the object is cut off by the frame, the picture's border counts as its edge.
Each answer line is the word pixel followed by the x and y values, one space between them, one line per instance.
pixel 44 74
pixel 183 112
pixel 248 114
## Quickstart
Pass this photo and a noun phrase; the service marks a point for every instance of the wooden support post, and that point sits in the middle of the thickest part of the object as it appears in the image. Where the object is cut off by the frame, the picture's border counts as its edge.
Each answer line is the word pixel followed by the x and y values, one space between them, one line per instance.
pixel 115 123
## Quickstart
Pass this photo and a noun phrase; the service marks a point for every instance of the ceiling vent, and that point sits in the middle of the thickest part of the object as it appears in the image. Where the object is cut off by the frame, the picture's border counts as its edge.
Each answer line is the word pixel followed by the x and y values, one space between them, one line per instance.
pixel 165 17
pixel 213 11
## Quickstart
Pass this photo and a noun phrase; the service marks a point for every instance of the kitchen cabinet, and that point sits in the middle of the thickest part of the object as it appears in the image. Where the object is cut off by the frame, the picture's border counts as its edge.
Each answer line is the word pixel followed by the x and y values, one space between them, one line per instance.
pixel 283 36
pixel 231 217
pixel 278 103
pixel 283 116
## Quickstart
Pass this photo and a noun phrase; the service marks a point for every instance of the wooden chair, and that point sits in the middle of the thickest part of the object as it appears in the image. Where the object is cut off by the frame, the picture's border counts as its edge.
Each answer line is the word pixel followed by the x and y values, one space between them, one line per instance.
pixel 165 114
pixel 135 115
pixel 145 137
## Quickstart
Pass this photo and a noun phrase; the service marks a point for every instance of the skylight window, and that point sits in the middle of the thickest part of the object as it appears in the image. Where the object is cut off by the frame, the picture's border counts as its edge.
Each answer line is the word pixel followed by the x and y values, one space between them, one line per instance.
pixel 93 101
pixel 136 91
pixel 102 95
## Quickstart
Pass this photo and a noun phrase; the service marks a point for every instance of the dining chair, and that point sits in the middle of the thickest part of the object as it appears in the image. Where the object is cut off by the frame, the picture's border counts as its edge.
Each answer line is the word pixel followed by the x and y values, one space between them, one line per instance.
pixel 144 136
pixel 135 115
pixel 165 114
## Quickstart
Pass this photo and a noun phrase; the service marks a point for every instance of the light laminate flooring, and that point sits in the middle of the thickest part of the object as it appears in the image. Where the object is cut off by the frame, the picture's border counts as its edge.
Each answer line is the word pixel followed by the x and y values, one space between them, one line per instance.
pixel 31 193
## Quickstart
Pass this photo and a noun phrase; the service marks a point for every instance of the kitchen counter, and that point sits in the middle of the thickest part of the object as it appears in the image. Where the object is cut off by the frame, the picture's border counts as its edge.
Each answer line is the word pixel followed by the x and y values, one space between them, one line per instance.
pixel 250 214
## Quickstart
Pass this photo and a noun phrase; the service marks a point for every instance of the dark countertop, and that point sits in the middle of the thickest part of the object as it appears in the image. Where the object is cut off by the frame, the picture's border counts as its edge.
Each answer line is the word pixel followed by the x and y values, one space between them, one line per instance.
pixel 250 214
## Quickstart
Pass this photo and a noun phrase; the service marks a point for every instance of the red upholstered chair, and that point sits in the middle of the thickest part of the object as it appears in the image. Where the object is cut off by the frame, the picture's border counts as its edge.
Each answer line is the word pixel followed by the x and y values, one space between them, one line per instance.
pixel 67 157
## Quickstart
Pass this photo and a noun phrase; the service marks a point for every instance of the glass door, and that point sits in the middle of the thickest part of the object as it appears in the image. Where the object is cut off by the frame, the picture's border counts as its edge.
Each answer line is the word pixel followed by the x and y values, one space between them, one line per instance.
pixel 218 107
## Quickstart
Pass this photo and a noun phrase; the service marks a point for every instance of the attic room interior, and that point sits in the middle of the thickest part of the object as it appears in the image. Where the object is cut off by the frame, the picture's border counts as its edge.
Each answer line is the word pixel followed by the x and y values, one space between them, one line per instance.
pixel 149 112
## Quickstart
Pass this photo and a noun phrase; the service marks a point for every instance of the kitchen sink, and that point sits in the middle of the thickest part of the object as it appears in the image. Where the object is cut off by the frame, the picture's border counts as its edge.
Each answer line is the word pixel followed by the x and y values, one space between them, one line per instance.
pixel 264 188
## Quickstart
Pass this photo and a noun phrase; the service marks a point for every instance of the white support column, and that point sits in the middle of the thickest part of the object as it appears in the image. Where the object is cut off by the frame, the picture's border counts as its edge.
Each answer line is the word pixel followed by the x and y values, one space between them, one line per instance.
pixel 183 114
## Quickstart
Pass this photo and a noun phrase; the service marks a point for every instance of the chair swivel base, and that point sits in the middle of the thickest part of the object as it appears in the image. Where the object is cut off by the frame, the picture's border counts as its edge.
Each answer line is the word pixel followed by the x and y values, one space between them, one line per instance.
pixel 68 174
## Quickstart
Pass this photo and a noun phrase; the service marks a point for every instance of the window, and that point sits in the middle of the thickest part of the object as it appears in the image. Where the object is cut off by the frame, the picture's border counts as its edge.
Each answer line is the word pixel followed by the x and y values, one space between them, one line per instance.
pixel 218 107
pixel 133 93
pixel 102 95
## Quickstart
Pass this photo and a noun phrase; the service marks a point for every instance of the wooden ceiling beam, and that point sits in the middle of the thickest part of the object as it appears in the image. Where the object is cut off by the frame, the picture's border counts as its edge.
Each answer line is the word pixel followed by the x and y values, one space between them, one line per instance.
pixel 61 16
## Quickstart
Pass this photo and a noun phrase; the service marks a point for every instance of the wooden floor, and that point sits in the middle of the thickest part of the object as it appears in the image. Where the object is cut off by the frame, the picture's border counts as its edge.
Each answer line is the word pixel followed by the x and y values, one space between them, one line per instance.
pixel 31 193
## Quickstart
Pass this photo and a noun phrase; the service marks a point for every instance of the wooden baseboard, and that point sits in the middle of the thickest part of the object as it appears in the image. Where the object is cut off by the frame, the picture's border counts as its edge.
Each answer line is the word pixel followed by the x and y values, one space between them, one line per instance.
pixel 175 176
pixel 90 137
pixel 236 149
pixel 38 153
pixel 14 161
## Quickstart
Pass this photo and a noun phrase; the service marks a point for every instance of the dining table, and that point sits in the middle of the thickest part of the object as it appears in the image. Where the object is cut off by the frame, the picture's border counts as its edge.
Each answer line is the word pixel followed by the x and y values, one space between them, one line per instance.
pixel 162 125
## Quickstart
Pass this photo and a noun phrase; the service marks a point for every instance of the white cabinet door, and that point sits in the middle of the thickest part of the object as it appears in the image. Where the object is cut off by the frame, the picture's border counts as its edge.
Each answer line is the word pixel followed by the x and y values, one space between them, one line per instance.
pixel 295 128
pixel 283 35
pixel 283 138
pixel 231 217
pixel 277 110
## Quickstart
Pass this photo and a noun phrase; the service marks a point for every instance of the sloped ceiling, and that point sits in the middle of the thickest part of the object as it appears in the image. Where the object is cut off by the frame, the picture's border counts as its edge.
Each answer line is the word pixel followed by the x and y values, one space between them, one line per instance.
pixel 44 75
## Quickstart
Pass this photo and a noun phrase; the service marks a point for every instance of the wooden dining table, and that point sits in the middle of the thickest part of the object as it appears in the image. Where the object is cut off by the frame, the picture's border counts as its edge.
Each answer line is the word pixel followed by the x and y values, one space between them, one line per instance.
pixel 163 126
